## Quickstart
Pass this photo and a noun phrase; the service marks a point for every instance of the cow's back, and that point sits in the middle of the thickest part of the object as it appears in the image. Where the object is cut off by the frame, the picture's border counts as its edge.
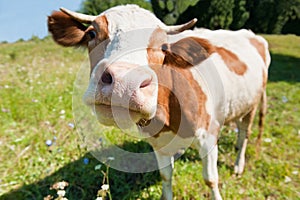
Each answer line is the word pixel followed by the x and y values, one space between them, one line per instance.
pixel 241 59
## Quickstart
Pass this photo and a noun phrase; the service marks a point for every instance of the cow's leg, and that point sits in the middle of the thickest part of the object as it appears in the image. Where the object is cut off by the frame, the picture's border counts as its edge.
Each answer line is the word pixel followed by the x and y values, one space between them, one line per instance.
pixel 244 126
pixel 209 156
pixel 166 165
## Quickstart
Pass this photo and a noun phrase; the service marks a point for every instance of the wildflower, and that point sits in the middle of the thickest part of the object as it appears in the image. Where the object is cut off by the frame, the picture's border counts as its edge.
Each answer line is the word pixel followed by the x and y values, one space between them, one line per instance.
pixel 284 99
pixel 62 112
pixel 60 185
pixel 35 100
pixel 287 179
pixel 61 193
pixel 48 143
pixel 110 158
pixel 236 130
pixel 268 140
pixel 5 110
pixel 71 125
pixel 295 172
pixel 97 167
pixel 99 198
pixel 105 187
pixel 86 161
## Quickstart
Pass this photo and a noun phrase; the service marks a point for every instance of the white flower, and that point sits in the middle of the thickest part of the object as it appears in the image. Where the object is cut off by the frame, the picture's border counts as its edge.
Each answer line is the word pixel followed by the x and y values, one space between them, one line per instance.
pixel 62 112
pixel 268 140
pixel 287 179
pixel 71 125
pixel 110 158
pixel 97 167
pixel 105 187
pixel 61 185
pixel 295 172
pixel 284 99
pixel 61 193
pixel 99 198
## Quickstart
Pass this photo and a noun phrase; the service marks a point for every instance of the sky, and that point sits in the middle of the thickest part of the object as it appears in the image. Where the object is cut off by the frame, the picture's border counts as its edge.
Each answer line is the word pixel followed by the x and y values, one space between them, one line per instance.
pixel 22 19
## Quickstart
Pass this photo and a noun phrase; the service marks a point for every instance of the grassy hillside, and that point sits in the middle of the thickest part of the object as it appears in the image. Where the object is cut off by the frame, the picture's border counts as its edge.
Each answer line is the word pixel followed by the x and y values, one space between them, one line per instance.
pixel 36 87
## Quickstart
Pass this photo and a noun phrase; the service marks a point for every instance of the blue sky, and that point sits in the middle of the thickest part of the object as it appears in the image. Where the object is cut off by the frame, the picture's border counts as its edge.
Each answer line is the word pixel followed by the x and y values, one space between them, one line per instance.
pixel 25 18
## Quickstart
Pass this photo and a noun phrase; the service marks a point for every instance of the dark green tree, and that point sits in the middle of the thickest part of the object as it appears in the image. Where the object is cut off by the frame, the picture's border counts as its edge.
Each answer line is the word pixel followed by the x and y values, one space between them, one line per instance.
pixel 270 16
pixel 95 7
pixel 213 14
pixel 239 14
pixel 170 10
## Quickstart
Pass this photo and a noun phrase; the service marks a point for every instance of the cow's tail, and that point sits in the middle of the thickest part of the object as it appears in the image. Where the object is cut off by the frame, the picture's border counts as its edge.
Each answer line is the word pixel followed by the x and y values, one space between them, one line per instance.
pixel 261 120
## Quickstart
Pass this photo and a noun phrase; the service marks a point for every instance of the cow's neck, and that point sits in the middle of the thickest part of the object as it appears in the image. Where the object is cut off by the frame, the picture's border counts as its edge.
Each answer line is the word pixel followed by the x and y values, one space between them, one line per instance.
pixel 180 104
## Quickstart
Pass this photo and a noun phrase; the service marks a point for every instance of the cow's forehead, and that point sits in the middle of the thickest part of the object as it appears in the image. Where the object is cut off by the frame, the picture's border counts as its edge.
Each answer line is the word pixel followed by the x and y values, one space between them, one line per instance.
pixel 130 46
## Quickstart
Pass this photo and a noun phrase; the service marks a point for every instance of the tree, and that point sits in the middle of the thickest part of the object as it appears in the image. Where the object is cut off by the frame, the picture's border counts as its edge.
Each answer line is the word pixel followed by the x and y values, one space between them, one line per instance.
pixel 270 16
pixel 95 7
pixel 170 10
pixel 213 14
pixel 261 16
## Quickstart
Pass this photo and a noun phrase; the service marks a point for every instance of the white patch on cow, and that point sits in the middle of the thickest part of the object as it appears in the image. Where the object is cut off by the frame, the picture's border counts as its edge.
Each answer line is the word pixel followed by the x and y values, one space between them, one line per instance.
pixel 130 17
pixel 209 80
pixel 123 49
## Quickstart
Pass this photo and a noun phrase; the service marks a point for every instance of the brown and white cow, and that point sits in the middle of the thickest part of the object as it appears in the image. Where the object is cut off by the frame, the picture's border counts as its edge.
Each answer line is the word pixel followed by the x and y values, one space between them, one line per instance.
pixel 178 89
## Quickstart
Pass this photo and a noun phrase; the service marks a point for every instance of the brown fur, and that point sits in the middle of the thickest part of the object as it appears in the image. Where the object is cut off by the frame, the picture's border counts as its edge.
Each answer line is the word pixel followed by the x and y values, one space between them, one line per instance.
pixel 98 46
pixel 259 47
pixel 232 61
pixel 192 51
pixel 181 101
pixel 187 52
pixel 65 30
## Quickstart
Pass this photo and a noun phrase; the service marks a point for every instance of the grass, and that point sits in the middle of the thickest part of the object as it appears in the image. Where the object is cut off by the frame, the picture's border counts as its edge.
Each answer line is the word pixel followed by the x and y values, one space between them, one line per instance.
pixel 36 88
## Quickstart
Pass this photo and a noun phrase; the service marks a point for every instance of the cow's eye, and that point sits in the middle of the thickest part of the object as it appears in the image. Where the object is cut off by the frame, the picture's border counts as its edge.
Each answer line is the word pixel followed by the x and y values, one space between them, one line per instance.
pixel 92 34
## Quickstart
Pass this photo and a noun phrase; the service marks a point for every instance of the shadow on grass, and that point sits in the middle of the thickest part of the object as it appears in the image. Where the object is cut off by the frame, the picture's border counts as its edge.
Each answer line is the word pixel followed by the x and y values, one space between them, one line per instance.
pixel 84 181
pixel 284 68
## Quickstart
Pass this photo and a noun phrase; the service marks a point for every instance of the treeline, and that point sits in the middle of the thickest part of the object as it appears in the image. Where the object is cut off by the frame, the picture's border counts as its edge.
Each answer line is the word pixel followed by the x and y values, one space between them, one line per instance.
pixel 261 16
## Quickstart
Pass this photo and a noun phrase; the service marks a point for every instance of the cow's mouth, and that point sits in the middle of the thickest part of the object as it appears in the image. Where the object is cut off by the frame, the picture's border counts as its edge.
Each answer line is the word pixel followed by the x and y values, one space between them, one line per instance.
pixel 117 115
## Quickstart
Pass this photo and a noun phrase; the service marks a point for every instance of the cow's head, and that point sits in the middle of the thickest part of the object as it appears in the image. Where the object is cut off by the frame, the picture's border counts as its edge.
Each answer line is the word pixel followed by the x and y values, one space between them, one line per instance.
pixel 125 61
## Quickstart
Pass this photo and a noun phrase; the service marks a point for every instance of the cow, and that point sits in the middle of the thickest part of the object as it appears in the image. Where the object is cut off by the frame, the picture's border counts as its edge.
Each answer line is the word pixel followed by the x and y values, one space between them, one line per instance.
pixel 179 88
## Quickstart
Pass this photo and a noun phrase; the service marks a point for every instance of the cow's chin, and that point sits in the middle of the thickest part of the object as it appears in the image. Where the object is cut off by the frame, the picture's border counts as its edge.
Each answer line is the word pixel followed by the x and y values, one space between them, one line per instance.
pixel 120 117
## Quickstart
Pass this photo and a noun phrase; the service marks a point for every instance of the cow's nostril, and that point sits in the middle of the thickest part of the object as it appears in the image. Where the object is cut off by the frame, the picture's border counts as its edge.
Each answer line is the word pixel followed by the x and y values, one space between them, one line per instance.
pixel 106 78
pixel 145 83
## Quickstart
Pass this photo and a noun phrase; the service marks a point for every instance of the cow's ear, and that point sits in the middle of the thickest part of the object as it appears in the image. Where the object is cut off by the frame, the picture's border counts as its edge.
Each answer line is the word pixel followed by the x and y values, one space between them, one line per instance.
pixel 67 31
pixel 187 52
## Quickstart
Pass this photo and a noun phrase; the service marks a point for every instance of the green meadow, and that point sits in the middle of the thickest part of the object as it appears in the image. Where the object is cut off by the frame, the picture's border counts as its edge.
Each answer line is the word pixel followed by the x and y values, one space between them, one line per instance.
pixel 40 145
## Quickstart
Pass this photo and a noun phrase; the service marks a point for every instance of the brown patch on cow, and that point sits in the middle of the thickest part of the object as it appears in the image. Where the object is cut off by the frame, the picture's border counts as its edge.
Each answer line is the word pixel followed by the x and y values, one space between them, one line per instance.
pixel 154 53
pixel 231 60
pixel 101 26
pixel 65 30
pixel 260 47
pixel 187 52
pixel 97 45
pixel 181 101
